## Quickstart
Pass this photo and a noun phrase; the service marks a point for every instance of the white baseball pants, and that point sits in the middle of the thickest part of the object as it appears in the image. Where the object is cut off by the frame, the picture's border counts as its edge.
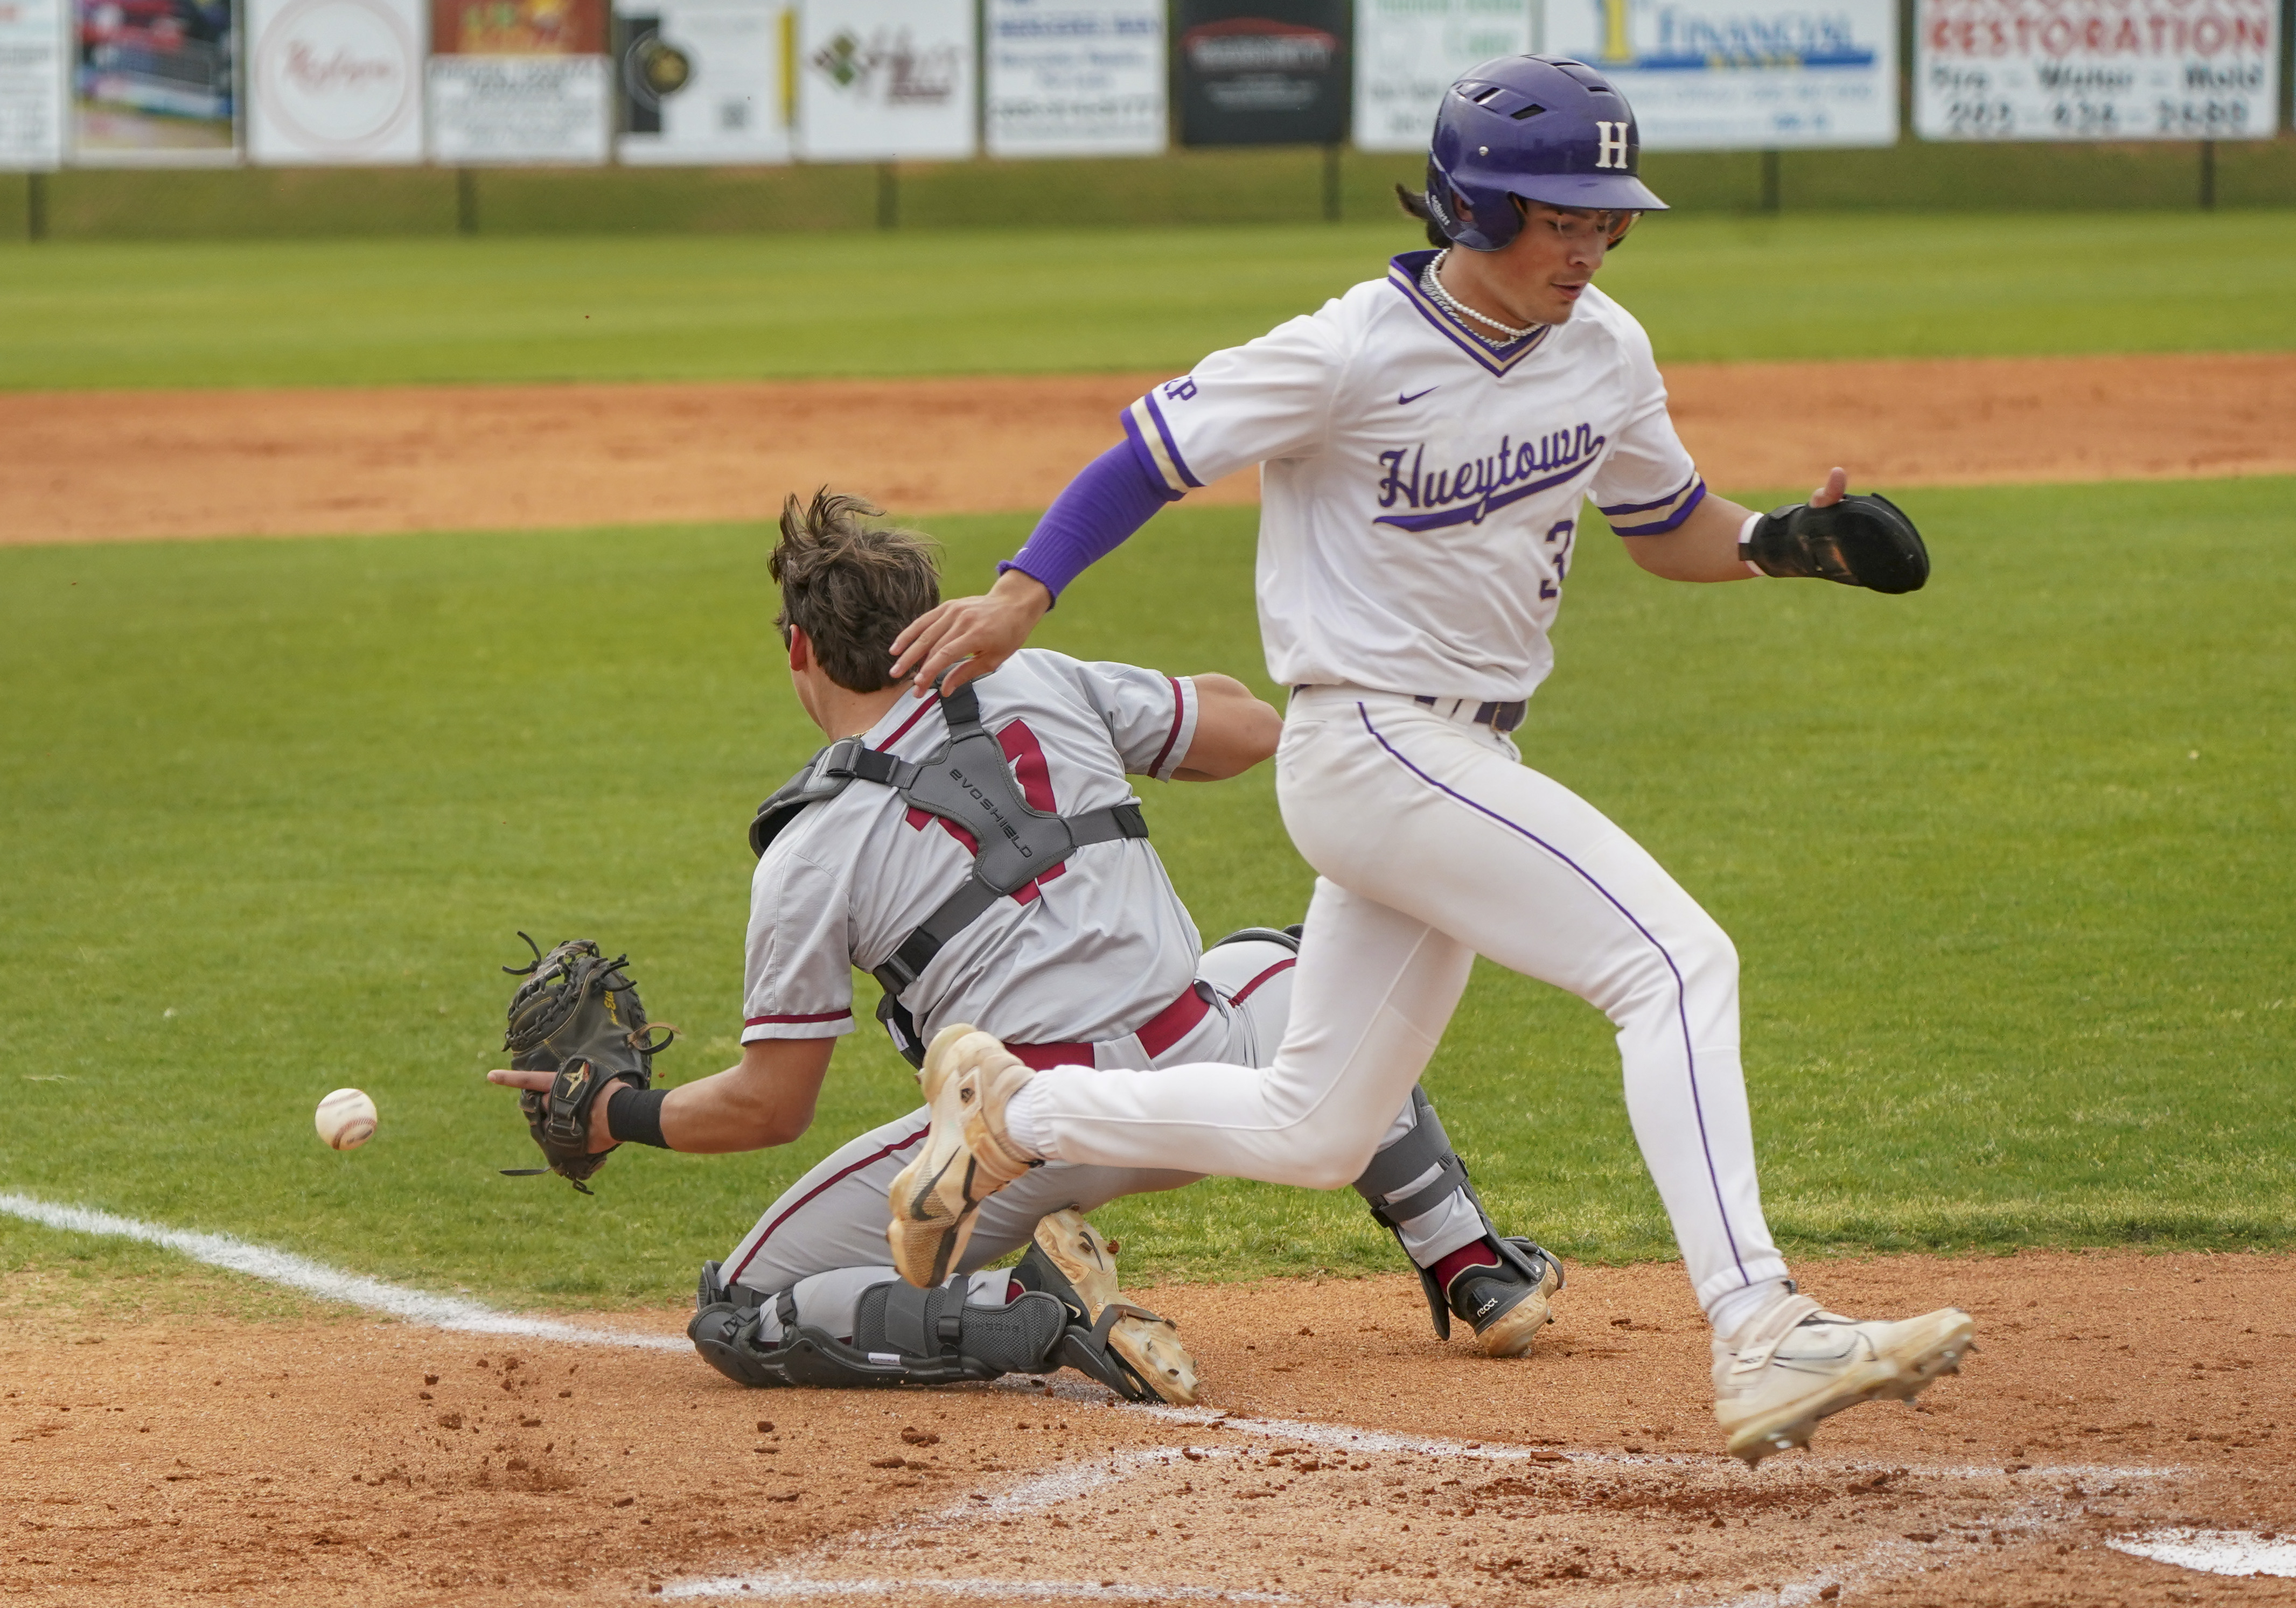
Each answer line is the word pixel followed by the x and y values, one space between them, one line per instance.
pixel 825 1238
pixel 1433 843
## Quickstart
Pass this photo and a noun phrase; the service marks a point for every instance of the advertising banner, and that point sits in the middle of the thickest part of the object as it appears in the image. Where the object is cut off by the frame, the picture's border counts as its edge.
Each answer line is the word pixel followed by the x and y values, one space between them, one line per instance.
pixel 1262 73
pixel 519 81
pixel 1737 75
pixel 1409 51
pixel 153 83
pixel 2096 70
pixel 1076 77
pixel 497 110
pixel 335 81
pixel 882 80
pixel 700 81
pixel 31 85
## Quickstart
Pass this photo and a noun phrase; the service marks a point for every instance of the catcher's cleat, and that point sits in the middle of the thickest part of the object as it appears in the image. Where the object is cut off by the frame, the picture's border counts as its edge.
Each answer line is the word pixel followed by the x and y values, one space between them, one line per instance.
pixel 967 1078
pixel 1507 1303
pixel 1796 1362
pixel 1070 1260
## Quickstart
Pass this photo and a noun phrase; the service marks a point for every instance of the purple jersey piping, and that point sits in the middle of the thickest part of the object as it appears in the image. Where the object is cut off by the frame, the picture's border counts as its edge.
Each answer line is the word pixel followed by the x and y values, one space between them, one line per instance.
pixel 1646 507
pixel 1144 458
pixel 1170 446
pixel 1681 990
pixel 1689 506
pixel 1403 273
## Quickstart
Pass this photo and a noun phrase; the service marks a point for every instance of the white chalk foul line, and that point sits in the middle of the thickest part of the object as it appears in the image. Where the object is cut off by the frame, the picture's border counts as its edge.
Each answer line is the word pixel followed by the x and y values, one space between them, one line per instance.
pixel 327 1283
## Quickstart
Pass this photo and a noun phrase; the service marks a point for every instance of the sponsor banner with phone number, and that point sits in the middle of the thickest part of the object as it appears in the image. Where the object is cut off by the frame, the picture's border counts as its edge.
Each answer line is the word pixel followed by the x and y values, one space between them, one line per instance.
pixel 2096 70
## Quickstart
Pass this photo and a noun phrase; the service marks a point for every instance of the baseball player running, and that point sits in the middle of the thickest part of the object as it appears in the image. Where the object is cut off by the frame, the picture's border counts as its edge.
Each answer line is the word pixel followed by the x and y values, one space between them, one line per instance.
pixel 984 855
pixel 1425 442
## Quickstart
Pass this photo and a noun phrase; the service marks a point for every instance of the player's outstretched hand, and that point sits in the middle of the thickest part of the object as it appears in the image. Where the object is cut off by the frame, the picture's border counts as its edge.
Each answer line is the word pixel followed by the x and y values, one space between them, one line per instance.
pixel 973 634
pixel 1857 541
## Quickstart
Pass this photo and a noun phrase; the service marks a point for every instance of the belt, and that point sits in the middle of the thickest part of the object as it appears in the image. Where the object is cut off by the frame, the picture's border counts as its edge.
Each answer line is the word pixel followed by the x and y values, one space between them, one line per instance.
pixel 1158 1034
pixel 1499 716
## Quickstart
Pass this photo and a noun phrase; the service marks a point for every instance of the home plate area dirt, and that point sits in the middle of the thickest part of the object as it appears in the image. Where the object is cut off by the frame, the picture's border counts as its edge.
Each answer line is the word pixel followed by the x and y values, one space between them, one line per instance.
pixel 1343 1455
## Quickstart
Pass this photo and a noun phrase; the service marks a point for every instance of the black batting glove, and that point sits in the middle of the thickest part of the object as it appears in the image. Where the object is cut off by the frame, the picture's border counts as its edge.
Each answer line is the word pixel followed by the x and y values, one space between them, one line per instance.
pixel 1860 541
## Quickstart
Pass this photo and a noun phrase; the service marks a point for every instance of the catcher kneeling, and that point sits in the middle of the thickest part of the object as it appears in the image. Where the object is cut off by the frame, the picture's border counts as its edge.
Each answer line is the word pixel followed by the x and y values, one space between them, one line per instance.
pixel 982 855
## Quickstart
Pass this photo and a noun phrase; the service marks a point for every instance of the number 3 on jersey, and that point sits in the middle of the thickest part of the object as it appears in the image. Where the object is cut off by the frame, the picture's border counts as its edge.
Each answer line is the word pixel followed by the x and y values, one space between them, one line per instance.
pixel 1564 533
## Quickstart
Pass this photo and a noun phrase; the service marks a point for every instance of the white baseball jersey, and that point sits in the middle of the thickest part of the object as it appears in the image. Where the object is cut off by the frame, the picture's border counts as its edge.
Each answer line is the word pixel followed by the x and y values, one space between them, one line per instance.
pixel 1420 490
pixel 1085 953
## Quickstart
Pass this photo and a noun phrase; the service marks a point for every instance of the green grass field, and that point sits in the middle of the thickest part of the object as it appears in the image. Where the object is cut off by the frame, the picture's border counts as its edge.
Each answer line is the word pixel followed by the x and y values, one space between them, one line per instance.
pixel 2008 862
pixel 673 307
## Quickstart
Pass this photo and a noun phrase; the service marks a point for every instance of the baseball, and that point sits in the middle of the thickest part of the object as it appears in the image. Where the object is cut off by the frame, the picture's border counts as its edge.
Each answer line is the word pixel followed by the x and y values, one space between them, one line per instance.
pixel 346 1119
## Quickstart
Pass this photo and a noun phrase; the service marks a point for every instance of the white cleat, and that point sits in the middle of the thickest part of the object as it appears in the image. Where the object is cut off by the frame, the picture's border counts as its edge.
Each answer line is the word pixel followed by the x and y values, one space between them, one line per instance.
pixel 936 1198
pixel 1150 1345
pixel 1795 1363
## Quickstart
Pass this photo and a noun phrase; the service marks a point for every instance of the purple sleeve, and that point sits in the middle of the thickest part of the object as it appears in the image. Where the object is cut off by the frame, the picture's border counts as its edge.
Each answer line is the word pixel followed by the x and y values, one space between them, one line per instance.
pixel 1112 497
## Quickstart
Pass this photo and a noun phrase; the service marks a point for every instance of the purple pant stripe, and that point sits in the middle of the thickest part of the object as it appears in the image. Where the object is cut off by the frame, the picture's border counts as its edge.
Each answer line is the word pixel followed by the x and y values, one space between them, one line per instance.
pixel 1681 990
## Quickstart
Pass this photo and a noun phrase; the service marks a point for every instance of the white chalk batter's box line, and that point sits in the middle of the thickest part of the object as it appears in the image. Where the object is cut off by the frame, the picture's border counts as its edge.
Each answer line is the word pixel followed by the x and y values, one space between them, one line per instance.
pixel 2039 1514
pixel 2218 1551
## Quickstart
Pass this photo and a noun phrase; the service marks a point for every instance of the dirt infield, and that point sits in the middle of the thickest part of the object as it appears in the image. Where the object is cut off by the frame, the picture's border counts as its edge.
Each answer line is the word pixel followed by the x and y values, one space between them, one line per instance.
pixel 1343 1455
pixel 96 466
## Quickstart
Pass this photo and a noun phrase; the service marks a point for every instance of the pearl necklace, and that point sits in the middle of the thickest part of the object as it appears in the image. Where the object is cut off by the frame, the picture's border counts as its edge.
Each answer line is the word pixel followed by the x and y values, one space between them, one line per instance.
pixel 1443 298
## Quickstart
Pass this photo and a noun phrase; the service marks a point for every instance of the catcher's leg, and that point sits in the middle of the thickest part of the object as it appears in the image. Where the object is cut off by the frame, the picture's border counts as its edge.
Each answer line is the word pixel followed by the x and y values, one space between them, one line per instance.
pixel 1416 1186
pixel 819 1249
pixel 834 1216
pixel 1418 1190
pixel 871 1329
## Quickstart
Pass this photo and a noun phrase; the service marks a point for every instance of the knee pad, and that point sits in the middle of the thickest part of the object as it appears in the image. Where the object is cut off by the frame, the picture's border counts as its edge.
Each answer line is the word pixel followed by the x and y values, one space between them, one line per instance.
pixel 726 1326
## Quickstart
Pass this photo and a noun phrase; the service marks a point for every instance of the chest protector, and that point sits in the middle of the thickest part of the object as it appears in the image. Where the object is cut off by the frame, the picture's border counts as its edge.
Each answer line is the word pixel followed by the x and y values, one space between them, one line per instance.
pixel 967 783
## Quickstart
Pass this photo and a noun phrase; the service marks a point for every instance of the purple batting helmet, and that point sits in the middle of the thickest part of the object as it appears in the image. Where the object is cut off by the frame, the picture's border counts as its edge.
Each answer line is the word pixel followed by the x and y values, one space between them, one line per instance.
pixel 1542 127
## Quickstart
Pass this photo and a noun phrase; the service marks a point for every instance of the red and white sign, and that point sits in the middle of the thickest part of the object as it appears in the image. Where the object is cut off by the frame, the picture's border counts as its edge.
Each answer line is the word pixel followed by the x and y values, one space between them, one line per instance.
pixel 2096 70
pixel 335 81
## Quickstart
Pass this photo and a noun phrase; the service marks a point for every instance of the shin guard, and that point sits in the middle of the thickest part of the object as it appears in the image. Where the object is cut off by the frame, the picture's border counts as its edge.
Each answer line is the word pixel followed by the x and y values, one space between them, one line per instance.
pixel 1425 1148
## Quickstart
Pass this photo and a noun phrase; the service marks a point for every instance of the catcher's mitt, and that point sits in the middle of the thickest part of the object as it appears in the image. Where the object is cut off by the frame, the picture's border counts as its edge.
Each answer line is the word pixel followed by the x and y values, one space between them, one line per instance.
pixel 576 1016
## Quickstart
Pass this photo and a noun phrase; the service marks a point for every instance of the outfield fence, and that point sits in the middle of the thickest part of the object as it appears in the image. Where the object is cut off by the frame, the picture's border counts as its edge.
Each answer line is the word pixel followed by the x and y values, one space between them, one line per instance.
pixel 224 117
pixel 1182 188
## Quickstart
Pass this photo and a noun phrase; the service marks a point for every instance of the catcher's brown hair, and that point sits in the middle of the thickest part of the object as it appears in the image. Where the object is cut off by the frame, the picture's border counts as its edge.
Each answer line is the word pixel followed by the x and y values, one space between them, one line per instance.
pixel 851 586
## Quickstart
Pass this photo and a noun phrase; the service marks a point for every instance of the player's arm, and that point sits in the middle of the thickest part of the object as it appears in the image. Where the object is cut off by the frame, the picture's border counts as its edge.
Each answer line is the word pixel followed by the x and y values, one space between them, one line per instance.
pixel 1863 541
pixel 1234 731
pixel 764 1100
pixel 1266 399
pixel 796 993
pixel 1112 498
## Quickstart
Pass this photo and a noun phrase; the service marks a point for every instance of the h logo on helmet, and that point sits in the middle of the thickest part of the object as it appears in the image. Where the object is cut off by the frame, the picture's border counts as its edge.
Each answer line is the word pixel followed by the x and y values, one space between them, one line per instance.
pixel 1610 142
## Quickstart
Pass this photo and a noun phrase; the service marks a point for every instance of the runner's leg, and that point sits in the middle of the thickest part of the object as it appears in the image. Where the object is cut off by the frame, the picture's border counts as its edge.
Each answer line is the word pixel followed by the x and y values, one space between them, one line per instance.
pixel 1448 846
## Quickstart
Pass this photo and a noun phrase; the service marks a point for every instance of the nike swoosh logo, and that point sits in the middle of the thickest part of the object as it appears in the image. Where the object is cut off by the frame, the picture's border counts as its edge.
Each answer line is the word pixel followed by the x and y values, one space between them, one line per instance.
pixel 1414 396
